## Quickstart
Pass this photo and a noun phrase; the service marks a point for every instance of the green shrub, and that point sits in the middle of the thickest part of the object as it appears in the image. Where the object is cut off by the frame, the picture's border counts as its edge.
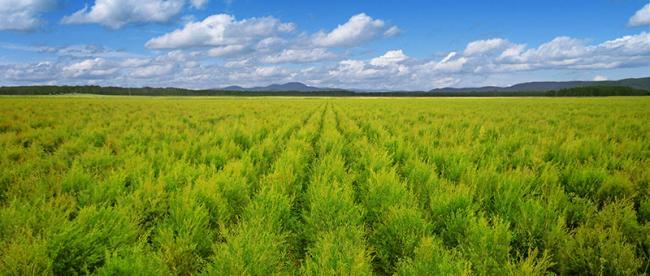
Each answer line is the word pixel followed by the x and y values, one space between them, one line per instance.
pixel 133 260
pixel 579 210
pixel 183 237
pixel 447 200
pixel 338 252
pixel 81 245
pixel 396 236
pixel 76 181
pixel 532 264
pixel 644 210
pixel 455 227
pixel 422 180
pixel 251 249
pixel 384 190
pixel 25 255
pixel 234 186
pixel 605 243
pixel 584 182
pixel 597 251
pixel 208 194
pixel 487 247
pixel 616 187
pixel 431 258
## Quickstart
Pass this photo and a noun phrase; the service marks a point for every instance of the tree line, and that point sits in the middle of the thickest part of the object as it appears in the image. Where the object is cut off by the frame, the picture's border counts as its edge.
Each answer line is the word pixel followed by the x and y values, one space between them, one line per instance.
pixel 589 91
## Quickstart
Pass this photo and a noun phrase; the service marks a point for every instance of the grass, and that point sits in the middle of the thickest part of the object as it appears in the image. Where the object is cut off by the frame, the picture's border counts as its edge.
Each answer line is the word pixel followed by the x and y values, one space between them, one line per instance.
pixel 159 186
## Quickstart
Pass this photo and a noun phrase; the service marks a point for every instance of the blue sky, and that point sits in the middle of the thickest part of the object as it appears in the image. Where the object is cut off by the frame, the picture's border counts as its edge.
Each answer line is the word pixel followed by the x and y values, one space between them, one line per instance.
pixel 410 45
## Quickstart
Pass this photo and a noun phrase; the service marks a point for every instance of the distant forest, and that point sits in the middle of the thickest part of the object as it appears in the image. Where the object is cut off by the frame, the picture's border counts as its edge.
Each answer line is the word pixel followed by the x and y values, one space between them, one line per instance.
pixel 588 91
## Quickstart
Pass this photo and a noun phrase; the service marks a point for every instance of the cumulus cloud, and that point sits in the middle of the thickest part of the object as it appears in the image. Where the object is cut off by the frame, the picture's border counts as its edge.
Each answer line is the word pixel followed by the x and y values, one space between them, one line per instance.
pixel 198 3
pixel 30 72
pixel 354 71
pixel 221 30
pixel 641 17
pixel 154 70
pixel 485 46
pixel 97 68
pixel 117 13
pixel 600 78
pixel 387 71
pixel 389 58
pixel 629 45
pixel 268 40
pixel 228 50
pixel 451 63
pixel 299 56
pixel 360 28
pixel 23 15
pixel 560 48
pixel 134 62
pixel 259 75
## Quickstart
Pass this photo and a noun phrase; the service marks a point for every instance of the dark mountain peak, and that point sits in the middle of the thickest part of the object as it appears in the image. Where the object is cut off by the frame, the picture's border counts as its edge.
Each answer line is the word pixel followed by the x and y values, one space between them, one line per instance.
pixel 289 86
pixel 293 86
pixel 295 83
pixel 545 86
pixel 233 88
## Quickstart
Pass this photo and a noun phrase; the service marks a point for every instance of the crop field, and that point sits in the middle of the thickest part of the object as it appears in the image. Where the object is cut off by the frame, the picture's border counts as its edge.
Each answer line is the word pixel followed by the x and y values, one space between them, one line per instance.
pixel 324 186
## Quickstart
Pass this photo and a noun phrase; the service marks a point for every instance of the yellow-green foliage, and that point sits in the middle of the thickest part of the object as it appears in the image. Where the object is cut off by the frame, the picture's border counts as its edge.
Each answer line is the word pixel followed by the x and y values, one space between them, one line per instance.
pixel 324 186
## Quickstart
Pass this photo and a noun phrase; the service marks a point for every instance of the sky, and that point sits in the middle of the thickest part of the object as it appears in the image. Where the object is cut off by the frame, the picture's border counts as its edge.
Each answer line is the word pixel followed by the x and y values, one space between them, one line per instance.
pixel 363 44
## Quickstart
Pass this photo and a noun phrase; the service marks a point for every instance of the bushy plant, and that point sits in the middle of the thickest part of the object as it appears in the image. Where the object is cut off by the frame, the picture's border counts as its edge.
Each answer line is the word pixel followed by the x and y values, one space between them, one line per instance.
pixel 432 258
pixel 81 245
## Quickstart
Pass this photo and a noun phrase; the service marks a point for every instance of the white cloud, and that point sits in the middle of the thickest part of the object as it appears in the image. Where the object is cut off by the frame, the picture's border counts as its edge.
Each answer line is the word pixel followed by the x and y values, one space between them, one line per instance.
pixel 134 62
pixel 389 58
pixel 359 29
pixel 198 3
pixel 354 71
pixel 153 70
pixel 392 31
pixel 452 63
pixel 445 82
pixel 600 78
pixel 560 48
pixel 71 51
pixel 221 30
pixel 90 69
pixel 512 53
pixel 228 50
pixel 270 44
pixel 269 71
pixel 117 13
pixel 299 56
pixel 262 75
pixel 35 72
pixel 237 63
pixel 627 45
pixel 485 46
pixel 641 17
pixel 387 71
pixel 571 53
pixel 23 15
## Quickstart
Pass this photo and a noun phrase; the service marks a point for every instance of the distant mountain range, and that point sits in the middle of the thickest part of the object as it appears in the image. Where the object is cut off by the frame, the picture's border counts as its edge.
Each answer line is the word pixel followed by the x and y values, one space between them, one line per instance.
pixel 628 87
pixel 638 83
pixel 290 86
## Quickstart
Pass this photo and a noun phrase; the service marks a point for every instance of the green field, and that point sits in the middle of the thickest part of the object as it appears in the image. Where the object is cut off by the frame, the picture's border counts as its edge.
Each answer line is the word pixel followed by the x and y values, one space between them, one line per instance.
pixel 156 186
